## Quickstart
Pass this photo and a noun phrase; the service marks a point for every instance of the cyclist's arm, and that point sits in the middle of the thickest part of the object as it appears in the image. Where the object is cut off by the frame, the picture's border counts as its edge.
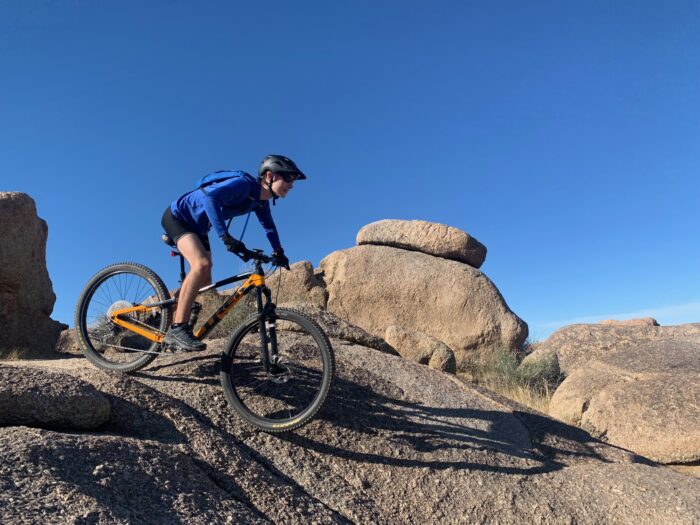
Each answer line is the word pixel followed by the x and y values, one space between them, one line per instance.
pixel 265 217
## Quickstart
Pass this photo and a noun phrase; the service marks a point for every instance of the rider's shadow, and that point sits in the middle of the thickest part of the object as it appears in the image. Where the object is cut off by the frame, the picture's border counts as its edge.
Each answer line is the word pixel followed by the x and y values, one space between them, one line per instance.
pixel 182 370
pixel 411 434
pixel 418 434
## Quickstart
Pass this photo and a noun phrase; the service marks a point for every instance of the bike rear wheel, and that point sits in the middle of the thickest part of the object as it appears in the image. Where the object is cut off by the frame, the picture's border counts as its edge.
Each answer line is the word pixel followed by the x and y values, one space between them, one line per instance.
pixel 290 394
pixel 106 344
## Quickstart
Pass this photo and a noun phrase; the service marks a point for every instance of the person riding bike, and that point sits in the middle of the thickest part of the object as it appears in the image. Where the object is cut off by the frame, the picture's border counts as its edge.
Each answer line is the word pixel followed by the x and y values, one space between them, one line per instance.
pixel 188 220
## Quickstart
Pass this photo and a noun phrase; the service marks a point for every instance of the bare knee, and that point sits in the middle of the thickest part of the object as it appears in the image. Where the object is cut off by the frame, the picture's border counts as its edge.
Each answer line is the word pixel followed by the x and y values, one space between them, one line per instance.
pixel 201 266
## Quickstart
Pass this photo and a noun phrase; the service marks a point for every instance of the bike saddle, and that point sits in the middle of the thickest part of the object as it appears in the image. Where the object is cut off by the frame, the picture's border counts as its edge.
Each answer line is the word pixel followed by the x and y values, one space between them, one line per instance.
pixel 167 240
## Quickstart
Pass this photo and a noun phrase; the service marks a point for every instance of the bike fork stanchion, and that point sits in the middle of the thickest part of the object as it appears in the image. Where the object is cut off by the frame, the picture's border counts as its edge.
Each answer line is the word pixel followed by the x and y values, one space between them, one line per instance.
pixel 271 324
pixel 262 330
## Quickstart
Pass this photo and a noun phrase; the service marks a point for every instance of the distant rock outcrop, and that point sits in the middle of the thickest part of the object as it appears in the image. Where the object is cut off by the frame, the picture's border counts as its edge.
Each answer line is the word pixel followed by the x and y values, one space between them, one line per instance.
pixel 645 398
pixel 26 293
pixel 643 321
pixel 576 345
pixel 376 287
pixel 339 328
pixel 67 343
pixel 300 284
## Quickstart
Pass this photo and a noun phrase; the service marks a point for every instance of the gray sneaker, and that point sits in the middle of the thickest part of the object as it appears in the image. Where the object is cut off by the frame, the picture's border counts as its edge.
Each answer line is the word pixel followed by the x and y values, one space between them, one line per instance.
pixel 181 339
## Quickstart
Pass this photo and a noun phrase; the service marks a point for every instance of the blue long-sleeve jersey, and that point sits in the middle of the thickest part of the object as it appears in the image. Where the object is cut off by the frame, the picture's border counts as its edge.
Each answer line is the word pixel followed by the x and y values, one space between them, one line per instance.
pixel 222 200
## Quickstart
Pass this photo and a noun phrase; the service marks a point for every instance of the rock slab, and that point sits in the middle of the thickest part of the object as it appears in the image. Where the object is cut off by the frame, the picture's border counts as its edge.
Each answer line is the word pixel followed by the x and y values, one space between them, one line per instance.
pixel 421 348
pixel 49 400
pixel 396 443
pixel 426 237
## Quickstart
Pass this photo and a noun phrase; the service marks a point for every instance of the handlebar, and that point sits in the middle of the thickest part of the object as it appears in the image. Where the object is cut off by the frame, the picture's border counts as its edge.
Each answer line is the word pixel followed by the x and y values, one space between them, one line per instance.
pixel 255 255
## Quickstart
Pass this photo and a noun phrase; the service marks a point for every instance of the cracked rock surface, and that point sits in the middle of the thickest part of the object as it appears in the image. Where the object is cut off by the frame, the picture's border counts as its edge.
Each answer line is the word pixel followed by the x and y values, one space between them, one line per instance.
pixel 397 442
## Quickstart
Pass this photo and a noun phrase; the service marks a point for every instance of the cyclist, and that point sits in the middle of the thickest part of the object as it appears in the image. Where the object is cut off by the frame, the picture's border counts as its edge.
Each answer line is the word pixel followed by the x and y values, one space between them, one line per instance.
pixel 187 221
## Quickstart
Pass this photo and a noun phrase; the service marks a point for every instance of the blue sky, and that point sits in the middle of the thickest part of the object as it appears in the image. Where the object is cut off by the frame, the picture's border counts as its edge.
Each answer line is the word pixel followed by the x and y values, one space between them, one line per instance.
pixel 565 136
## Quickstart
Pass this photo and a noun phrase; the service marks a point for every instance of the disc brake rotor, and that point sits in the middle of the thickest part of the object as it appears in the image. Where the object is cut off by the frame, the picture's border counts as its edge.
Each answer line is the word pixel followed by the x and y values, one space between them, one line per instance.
pixel 116 306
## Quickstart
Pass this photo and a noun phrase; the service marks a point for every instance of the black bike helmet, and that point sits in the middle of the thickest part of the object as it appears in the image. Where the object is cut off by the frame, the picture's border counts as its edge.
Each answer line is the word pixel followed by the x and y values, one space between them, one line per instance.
pixel 279 164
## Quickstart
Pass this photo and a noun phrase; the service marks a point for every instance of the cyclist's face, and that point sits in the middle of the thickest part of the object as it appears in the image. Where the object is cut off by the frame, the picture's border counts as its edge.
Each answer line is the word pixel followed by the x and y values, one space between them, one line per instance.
pixel 281 185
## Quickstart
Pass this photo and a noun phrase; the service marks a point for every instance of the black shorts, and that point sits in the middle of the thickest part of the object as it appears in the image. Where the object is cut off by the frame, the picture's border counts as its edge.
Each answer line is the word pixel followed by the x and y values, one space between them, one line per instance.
pixel 176 228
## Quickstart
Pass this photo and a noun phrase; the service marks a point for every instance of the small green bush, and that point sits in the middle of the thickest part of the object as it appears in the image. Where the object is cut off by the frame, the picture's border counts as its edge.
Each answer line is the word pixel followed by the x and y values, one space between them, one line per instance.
pixel 543 374
pixel 501 371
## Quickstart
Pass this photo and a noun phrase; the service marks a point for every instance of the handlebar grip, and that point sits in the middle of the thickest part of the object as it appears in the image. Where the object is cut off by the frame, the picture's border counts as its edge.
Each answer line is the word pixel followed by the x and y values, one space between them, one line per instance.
pixel 257 255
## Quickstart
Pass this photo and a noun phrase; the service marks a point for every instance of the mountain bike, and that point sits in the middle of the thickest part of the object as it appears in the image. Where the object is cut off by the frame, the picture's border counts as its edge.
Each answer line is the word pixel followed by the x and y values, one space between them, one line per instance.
pixel 278 365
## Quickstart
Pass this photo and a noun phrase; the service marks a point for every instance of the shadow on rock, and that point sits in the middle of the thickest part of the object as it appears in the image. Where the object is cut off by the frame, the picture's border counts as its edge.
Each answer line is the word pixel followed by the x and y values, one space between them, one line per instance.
pixel 407 434
pixel 133 420
pixel 183 371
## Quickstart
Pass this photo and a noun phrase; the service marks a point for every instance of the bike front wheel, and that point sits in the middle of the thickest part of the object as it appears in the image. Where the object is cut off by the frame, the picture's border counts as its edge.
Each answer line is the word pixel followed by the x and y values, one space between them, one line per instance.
pixel 294 388
pixel 106 344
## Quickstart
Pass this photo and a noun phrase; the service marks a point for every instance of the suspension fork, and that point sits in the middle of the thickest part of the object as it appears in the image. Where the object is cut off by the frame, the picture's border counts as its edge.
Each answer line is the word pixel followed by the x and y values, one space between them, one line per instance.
pixel 266 325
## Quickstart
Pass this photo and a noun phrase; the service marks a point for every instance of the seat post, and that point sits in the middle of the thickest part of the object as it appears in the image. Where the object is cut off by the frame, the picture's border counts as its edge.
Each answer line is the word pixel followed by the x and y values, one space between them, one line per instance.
pixel 182 268
pixel 167 240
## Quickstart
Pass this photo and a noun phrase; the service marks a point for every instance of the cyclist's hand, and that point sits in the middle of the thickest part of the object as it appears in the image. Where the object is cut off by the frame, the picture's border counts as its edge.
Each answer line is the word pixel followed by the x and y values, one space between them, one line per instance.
pixel 235 246
pixel 280 259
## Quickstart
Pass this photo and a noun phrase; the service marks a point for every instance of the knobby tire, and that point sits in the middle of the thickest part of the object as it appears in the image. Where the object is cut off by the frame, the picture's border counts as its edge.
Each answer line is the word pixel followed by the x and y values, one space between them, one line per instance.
pixel 292 398
pixel 116 286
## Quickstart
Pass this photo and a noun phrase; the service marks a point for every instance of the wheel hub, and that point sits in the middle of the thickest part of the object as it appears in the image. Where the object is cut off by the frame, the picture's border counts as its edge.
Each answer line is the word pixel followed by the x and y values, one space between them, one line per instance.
pixel 278 373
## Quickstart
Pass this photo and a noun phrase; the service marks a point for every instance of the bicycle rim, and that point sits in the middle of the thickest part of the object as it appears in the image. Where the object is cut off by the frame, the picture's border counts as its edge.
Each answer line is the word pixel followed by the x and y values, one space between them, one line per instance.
pixel 289 395
pixel 107 344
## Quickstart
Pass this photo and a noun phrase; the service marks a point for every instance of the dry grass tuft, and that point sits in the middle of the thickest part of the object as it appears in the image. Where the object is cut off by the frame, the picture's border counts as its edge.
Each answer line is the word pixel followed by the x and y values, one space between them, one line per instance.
pixel 15 353
pixel 532 385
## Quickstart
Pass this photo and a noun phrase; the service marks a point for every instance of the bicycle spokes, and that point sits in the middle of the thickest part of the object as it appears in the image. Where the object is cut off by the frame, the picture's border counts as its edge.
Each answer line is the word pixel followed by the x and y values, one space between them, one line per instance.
pixel 118 322
pixel 293 378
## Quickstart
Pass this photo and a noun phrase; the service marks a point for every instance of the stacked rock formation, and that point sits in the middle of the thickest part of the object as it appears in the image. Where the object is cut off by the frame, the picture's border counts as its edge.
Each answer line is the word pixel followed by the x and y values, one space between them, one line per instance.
pixel 26 293
pixel 421 277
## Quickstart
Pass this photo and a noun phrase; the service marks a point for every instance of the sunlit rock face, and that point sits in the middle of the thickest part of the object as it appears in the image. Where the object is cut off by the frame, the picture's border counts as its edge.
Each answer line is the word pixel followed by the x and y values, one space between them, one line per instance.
pixel 26 293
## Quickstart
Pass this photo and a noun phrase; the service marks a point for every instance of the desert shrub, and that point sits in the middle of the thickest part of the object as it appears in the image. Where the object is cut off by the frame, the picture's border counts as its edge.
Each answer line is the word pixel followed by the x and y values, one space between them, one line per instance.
pixel 531 384
pixel 543 374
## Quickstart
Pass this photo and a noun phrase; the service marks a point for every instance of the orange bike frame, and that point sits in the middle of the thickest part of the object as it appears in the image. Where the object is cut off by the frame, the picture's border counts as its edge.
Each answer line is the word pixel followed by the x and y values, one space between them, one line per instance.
pixel 153 334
